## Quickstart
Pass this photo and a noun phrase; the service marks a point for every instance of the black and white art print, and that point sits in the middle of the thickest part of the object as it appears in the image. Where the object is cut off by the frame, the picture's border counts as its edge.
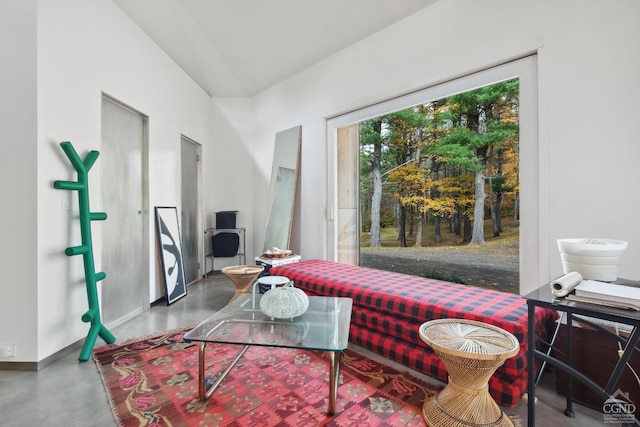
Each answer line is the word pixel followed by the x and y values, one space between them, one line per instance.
pixel 170 253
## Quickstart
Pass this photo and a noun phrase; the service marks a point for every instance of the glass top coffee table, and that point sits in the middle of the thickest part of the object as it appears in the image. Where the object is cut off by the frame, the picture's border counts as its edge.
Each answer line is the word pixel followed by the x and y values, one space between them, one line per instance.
pixel 324 326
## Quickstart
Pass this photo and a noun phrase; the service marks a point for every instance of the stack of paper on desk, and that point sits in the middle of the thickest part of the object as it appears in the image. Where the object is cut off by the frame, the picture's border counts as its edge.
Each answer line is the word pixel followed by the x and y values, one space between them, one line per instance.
pixel 601 293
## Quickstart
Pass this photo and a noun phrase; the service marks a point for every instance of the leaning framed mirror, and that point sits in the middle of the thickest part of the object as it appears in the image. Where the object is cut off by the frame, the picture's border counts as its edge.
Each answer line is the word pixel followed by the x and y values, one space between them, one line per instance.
pixel 282 189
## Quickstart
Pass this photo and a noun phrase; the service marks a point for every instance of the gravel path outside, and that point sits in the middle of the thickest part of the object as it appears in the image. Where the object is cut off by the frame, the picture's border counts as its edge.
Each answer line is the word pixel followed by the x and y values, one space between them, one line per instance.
pixel 488 267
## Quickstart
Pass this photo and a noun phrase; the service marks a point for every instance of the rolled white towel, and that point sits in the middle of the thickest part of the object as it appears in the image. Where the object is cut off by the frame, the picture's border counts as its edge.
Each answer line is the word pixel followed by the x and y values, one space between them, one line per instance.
pixel 563 285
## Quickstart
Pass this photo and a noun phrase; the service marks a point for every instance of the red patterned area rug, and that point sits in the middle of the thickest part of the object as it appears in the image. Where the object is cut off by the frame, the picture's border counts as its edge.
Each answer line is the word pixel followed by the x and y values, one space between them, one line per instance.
pixel 154 382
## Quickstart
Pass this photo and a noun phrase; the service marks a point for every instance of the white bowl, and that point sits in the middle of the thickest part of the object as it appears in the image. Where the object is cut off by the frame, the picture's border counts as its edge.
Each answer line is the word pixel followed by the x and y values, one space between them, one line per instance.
pixel 604 273
pixel 591 260
pixel 592 246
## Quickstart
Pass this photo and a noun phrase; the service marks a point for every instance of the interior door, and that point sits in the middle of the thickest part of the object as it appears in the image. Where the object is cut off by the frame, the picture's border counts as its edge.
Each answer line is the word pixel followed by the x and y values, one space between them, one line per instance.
pixel 191 229
pixel 121 161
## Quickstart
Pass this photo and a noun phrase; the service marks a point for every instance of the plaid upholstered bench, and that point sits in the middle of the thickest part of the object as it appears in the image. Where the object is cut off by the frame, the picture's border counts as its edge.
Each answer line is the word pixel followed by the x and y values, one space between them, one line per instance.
pixel 388 309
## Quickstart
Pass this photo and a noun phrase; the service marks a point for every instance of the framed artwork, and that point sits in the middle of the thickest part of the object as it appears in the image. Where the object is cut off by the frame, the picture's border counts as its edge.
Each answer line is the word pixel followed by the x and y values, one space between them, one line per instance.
pixel 170 253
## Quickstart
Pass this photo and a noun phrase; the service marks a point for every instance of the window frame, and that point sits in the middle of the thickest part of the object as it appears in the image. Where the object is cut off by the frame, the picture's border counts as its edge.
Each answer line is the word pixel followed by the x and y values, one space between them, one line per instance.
pixel 534 206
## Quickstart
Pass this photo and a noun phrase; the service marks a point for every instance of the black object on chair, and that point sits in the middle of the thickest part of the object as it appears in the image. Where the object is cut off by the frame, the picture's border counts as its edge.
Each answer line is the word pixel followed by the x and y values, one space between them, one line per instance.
pixel 226 219
pixel 225 244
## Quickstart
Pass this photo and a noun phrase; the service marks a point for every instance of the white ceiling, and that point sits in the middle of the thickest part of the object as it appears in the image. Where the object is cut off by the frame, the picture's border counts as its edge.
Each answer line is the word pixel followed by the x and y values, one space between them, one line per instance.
pixel 241 47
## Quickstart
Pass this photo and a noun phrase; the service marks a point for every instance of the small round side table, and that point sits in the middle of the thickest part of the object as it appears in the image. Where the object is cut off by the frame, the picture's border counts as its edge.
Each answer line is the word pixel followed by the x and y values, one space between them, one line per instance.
pixel 242 277
pixel 471 351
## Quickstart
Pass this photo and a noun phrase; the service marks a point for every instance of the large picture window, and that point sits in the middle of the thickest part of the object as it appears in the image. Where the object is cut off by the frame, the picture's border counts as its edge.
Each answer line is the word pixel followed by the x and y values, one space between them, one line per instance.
pixel 352 186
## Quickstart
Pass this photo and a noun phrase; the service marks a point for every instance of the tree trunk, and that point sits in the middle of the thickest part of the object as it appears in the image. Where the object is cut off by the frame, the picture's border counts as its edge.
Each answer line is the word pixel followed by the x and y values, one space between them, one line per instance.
pixel 499 199
pixel 516 210
pixel 401 225
pixel 375 208
pixel 500 194
pixel 457 229
pixel 481 155
pixel 376 198
pixel 494 217
pixel 436 227
pixel 495 224
pixel 411 218
pixel 478 211
pixel 466 227
pixel 418 230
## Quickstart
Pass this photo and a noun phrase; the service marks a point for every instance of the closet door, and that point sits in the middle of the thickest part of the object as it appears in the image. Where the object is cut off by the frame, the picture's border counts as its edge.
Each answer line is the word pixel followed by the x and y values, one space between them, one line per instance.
pixel 191 230
pixel 123 256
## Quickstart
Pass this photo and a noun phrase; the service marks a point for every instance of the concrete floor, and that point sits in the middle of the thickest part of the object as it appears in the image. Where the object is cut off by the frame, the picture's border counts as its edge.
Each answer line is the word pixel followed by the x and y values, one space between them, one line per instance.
pixel 70 393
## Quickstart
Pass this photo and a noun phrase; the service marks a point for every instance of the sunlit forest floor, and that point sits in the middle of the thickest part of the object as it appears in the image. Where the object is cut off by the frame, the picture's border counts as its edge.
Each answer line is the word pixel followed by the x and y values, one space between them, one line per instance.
pixel 494 265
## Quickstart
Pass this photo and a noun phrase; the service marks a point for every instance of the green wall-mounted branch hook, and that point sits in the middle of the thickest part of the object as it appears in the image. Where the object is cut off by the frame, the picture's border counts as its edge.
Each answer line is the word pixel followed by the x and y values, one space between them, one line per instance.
pixel 82 167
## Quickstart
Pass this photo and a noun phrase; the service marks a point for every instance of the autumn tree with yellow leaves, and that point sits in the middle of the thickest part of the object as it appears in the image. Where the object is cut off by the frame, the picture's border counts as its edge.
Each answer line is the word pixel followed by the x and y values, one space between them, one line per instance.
pixel 442 158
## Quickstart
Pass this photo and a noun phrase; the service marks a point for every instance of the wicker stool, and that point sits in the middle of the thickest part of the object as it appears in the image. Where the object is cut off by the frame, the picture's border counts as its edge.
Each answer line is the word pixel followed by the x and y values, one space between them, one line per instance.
pixel 471 351
pixel 243 277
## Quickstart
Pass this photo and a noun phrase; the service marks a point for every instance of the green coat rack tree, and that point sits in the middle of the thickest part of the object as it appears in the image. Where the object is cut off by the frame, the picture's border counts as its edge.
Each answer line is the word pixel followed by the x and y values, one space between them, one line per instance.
pixel 82 167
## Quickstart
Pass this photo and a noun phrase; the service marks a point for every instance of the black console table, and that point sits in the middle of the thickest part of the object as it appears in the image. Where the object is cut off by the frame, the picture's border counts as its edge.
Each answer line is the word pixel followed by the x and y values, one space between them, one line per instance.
pixel 571 308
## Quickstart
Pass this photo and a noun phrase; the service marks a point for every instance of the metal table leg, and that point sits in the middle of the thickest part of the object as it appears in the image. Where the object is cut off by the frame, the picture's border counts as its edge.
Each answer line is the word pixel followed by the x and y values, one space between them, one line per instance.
pixel 569 409
pixel 531 370
pixel 551 344
pixel 334 374
pixel 205 394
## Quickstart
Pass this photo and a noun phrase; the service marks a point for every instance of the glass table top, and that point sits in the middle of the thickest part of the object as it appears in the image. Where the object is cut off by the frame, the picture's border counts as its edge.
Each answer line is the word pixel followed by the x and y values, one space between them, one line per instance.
pixel 324 326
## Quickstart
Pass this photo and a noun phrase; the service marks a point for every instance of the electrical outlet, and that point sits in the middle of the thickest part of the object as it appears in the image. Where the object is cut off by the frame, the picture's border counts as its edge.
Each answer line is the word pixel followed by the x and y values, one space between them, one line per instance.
pixel 66 202
pixel 8 350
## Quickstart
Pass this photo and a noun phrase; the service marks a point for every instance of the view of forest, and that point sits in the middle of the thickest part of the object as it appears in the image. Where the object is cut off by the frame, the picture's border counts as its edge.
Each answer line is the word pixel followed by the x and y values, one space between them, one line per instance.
pixel 443 172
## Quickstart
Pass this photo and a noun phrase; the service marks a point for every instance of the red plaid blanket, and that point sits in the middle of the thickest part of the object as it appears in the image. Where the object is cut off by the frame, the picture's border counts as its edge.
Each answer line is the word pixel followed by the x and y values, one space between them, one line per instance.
pixel 388 309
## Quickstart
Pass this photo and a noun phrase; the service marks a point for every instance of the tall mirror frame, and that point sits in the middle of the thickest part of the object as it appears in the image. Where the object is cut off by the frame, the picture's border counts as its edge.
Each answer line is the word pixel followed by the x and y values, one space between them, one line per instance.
pixel 283 187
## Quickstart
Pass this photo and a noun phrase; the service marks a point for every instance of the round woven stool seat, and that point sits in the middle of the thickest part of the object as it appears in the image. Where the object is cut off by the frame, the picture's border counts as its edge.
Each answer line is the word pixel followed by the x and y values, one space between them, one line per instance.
pixel 242 277
pixel 471 351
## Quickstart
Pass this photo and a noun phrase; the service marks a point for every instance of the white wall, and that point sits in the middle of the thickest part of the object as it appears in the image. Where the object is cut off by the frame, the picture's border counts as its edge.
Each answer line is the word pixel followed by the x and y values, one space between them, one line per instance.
pixel 18 176
pixel 85 49
pixel 60 56
pixel 230 169
pixel 589 87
